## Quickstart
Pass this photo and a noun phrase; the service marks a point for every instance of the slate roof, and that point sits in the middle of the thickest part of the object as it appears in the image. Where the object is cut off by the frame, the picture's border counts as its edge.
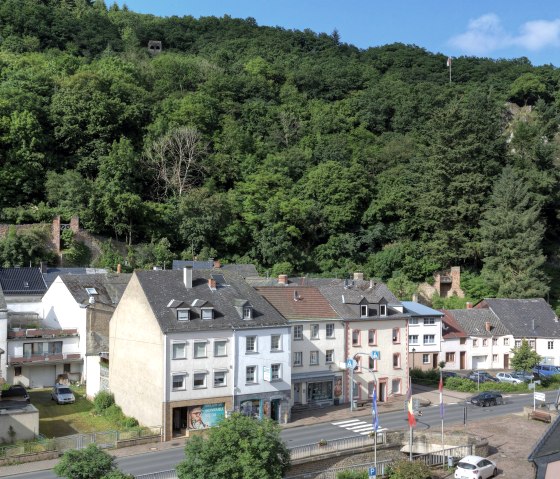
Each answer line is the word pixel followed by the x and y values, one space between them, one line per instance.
pixel 22 281
pixel 53 273
pixel 416 309
pixel 180 264
pixel 244 270
pixel 109 286
pixel 302 302
pixel 473 322
pixel 451 328
pixel 162 287
pixel 548 444
pixel 518 316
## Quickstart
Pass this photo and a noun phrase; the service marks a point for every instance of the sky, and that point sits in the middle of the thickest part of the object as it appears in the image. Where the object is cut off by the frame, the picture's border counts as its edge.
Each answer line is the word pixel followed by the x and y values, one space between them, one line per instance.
pixel 484 28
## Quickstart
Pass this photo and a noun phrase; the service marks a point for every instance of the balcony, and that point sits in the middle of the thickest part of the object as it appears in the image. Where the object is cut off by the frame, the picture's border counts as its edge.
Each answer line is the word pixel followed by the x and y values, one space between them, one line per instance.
pixel 41 359
pixel 16 333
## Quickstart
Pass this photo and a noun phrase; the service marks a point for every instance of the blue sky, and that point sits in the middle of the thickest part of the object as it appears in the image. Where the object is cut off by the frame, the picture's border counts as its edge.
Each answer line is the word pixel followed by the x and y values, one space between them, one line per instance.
pixel 486 28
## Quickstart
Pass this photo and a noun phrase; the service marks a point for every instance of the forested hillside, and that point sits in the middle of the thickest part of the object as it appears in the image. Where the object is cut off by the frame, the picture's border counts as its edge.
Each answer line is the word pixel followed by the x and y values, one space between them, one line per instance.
pixel 289 149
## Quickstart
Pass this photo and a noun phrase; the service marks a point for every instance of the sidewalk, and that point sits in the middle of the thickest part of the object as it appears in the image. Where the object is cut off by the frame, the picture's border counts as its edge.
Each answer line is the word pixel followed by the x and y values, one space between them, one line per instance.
pixel 426 395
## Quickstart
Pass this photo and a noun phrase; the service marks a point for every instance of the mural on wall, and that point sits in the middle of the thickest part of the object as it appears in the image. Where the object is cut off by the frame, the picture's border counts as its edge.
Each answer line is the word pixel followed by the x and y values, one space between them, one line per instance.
pixel 205 415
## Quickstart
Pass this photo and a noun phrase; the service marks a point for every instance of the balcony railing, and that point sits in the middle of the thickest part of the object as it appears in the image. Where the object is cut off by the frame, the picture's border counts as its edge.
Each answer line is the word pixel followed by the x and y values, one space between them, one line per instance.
pixel 44 358
pixel 41 333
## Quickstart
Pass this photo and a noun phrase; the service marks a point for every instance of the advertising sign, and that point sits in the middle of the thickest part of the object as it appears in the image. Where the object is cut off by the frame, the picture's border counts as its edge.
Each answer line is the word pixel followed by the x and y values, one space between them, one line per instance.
pixel 205 415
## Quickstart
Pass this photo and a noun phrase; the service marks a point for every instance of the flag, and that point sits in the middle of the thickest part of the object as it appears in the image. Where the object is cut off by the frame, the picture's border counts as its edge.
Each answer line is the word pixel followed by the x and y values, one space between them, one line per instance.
pixel 448 62
pixel 411 418
pixel 440 395
pixel 374 410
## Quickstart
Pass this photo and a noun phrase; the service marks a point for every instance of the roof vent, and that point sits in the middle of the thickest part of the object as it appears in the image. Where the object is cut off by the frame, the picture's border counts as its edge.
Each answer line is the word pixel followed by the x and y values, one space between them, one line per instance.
pixel 358 276
pixel 282 279
pixel 297 297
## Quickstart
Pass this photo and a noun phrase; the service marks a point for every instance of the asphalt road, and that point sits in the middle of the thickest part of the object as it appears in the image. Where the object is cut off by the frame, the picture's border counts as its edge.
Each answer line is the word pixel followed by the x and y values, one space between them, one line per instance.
pixel 454 414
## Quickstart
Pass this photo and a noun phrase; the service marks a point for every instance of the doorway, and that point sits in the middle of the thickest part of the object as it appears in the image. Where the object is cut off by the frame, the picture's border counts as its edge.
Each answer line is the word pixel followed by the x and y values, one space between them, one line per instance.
pixel 297 399
pixel 275 410
pixel 462 360
pixel 382 391
pixel 506 361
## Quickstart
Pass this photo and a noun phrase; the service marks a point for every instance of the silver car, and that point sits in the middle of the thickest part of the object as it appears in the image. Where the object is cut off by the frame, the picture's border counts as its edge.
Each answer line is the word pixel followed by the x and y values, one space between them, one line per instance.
pixel 508 378
pixel 62 394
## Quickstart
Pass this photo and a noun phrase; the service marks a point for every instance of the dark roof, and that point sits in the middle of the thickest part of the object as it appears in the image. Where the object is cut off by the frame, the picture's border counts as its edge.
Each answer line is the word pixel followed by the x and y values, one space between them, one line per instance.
pixel 3 305
pixel 244 270
pixel 303 302
pixel 180 264
pixel 22 281
pixel 473 322
pixel 53 273
pixel 163 287
pixel 109 287
pixel 518 316
pixel 451 328
pixel 548 445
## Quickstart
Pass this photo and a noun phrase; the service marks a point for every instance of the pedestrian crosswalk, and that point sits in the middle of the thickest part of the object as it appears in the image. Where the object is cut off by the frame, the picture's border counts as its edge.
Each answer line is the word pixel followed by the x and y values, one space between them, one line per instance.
pixel 358 426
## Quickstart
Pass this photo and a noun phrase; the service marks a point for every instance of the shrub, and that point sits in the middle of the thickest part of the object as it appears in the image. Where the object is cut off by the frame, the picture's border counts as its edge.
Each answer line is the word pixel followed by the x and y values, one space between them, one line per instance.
pixel 102 401
pixel 352 475
pixel 460 384
pixel 129 422
pixel 403 469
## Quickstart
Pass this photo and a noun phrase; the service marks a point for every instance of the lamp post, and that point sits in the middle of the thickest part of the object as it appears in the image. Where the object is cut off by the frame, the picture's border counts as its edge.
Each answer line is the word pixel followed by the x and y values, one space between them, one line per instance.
pixel 413 351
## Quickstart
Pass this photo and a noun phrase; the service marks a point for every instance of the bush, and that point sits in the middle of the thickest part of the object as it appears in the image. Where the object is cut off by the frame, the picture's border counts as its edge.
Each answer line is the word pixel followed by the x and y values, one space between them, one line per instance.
pixel 129 422
pixel 352 475
pixel 102 401
pixel 403 469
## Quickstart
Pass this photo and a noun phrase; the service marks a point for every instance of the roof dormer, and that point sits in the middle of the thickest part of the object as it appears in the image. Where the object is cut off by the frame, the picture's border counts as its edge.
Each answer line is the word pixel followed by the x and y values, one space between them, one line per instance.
pixel 244 308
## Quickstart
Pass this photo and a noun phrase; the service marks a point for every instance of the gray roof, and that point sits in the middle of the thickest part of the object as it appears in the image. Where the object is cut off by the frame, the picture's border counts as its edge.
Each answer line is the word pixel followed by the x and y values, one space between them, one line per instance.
pixel 109 286
pixel 22 281
pixel 416 309
pixel 180 264
pixel 473 322
pixel 518 316
pixel 53 273
pixel 244 270
pixel 162 288
pixel 547 449
pixel 3 305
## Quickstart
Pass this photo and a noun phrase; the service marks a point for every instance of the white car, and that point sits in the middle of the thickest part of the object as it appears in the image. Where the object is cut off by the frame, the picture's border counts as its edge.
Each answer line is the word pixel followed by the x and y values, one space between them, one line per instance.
pixel 475 467
pixel 508 378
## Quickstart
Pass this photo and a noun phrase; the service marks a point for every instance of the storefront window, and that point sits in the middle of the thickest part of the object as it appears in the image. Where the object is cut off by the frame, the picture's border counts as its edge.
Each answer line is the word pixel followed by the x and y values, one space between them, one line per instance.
pixel 320 391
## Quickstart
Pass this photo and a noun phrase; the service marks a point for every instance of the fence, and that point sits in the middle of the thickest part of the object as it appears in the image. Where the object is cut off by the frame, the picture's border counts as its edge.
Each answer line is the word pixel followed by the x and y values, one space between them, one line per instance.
pixel 353 442
pixel 171 474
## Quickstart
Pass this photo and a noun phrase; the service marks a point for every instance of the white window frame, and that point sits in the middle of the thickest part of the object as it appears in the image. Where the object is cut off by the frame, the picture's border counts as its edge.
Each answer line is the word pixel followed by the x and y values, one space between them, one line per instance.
pixel 174 350
pixel 247 312
pixel 382 310
pixel 275 372
pixel 413 321
pixel 197 376
pixel 329 356
pixel 183 377
pixel 207 313
pixel 253 375
pixel 297 332
pixel 413 339
pixel 278 339
pixel 329 327
pixel 429 321
pixel 183 314
pixel 195 350
pixel 426 359
pixel 550 344
pixel 251 344
pixel 313 358
pixel 218 342
pixel 364 311
pixel 429 339
pixel 314 331
pixel 298 355
pixel 223 374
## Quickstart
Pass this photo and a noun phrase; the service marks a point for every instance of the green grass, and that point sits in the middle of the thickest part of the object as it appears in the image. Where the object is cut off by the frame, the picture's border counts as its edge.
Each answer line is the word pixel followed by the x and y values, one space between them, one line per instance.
pixel 57 420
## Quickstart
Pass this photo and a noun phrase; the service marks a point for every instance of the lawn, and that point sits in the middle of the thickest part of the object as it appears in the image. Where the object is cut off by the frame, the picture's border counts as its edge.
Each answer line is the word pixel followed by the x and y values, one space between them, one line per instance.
pixel 57 420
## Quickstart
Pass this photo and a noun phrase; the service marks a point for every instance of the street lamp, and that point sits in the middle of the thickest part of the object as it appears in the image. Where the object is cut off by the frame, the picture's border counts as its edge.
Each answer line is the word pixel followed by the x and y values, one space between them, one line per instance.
pixel 413 351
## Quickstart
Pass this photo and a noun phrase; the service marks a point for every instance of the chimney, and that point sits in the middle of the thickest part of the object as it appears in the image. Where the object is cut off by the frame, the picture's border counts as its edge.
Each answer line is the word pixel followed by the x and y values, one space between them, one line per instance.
pixel 469 305
pixel 371 283
pixel 217 264
pixel 187 277
pixel 211 283
pixel 358 276
pixel 488 326
pixel 119 268
pixel 43 268
pixel 282 279
pixel 415 297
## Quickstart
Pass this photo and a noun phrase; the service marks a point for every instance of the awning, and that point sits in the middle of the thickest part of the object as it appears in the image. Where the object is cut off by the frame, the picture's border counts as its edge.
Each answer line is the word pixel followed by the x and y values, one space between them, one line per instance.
pixel 314 377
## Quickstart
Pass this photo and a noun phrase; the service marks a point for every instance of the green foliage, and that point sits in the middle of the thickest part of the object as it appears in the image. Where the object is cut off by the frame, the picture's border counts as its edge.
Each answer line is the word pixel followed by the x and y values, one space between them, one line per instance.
pixel 109 258
pixel 524 357
pixel 239 447
pixel 453 302
pixel 25 247
pixel 104 404
pixel 352 475
pixel 404 469
pixel 88 463
pixel 402 287
pixel 102 401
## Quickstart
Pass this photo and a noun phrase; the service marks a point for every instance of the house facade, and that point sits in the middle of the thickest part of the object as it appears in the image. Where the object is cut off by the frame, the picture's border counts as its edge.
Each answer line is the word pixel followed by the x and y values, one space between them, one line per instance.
pixel 189 347
pixel 454 344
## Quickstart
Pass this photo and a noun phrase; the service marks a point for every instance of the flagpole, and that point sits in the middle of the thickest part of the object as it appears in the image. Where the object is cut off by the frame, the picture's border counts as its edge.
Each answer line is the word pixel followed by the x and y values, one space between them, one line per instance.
pixel 441 414
pixel 410 410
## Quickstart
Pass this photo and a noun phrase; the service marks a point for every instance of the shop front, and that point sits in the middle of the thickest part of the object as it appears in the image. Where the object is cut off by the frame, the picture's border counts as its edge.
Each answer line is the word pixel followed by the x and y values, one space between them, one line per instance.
pixel 322 389
pixel 262 406
pixel 196 417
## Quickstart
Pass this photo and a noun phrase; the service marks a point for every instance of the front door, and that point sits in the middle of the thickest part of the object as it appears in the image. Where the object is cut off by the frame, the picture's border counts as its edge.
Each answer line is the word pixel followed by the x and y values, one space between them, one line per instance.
pixel 275 409
pixel 462 361
pixel 506 361
pixel 382 391
pixel 434 361
pixel 297 399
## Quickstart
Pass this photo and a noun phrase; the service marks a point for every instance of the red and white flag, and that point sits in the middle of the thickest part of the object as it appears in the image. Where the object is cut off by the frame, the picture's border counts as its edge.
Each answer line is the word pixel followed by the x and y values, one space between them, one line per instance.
pixel 411 418
pixel 448 62
pixel 441 395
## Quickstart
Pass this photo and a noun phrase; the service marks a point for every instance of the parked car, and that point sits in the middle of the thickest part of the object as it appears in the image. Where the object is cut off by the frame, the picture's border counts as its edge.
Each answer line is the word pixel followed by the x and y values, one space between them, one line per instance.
pixel 17 392
pixel 481 376
pixel 449 374
pixel 62 394
pixel 486 398
pixel 475 467
pixel 508 378
pixel 523 375
pixel 545 370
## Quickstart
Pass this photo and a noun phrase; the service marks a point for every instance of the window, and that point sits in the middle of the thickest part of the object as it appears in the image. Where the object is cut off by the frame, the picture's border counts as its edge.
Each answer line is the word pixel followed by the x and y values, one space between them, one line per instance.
pixel 91 291
pixel 183 315
pixel 372 364
pixel 314 331
pixel 358 367
pixel 395 386
pixel 428 321
pixel 200 349
pixel 199 380
pixel 17 371
pixel 550 344
pixel 275 372
pixel 396 335
pixel 494 358
pixel 449 357
pixel 298 332
pixel 247 312
pixel 382 310
pixel 413 321
pixel 532 343
pixel 475 343
pixel 67 367
pixel 251 375
pixel 329 356
pixel 370 387
pixel 179 350
pixel 372 337
pixel 363 310
pixel 429 339
pixel 179 382
pixel 396 360
pixel 413 339
pixel 314 358
pixel 518 343
pixel 426 358
pixel 506 341
pixel 494 341
pixel 355 337
pixel 219 379
pixel 220 348
pixel 462 340
pixel 485 342
pixel 251 344
pixel 330 330
pixel 298 359
pixel 275 342
pixel 207 313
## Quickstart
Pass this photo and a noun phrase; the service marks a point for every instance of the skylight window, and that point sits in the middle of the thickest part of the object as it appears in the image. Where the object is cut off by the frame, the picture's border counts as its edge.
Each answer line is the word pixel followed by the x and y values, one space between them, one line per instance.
pixel 91 291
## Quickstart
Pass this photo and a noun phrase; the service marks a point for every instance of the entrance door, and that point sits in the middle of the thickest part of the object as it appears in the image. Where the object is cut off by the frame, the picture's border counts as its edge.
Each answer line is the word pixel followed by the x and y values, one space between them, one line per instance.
pixel 506 361
pixel 275 409
pixel 382 391
pixel 434 361
pixel 462 360
pixel 297 399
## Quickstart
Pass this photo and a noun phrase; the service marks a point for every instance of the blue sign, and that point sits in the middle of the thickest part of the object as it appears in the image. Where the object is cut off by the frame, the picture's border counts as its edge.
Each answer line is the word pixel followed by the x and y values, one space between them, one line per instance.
pixel 375 355
pixel 351 363
pixel 372 473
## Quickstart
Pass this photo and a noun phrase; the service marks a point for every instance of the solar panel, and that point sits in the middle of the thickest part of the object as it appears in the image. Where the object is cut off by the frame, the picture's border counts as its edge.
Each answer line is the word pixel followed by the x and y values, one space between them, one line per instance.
pixel 219 278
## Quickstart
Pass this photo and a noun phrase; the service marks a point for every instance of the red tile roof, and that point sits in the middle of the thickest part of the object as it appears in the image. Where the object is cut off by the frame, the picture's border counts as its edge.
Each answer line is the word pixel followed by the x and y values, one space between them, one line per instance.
pixel 451 328
pixel 300 302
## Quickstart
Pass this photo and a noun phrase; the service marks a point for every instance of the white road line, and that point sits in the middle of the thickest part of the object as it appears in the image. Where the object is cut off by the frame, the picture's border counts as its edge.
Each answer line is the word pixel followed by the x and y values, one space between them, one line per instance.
pixel 340 423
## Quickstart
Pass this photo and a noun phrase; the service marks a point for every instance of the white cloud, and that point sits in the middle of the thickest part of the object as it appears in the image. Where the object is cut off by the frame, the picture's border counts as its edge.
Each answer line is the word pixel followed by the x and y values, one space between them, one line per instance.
pixel 486 34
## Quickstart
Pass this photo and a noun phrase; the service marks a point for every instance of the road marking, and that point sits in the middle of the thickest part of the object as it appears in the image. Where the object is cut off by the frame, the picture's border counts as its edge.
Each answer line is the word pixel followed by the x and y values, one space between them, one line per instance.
pixel 340 423
pixel 357 426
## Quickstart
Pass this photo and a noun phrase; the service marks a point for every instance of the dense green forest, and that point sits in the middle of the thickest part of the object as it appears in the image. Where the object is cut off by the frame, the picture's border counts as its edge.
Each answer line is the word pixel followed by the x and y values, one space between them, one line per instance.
pixel 289 149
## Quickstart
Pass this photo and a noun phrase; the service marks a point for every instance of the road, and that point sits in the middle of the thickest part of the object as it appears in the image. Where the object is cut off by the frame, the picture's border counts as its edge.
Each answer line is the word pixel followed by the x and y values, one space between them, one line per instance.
pixel 298 436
